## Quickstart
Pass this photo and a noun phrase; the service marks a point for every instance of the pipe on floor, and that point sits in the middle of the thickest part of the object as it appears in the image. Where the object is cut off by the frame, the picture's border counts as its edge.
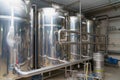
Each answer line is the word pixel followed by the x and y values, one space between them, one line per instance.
pixel 46 69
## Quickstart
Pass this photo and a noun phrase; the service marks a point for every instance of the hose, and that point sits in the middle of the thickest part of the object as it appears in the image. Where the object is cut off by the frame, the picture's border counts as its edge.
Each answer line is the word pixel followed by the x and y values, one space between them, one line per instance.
pixel 87 71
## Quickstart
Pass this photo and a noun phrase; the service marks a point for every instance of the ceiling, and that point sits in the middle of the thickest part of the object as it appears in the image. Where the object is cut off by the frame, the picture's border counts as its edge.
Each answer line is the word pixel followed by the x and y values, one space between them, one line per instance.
pixel 73 5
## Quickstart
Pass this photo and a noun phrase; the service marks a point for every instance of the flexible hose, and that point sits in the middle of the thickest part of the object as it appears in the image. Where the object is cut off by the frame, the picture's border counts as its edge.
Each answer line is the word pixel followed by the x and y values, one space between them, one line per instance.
pixel 87 71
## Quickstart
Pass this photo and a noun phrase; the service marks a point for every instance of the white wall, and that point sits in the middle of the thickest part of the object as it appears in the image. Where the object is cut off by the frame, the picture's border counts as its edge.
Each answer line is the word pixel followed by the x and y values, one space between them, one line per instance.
pixel 114 36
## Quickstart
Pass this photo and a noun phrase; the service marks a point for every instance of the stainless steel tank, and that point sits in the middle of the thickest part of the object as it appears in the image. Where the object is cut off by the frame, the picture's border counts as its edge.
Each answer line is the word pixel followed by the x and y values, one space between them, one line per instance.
pixel 74 37
pixel 98 59
pixel 14 35
pixel 90 37
pixel 50 21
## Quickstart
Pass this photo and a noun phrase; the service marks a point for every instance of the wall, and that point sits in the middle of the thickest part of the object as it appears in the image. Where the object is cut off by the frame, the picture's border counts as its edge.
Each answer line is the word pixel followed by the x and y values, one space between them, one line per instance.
pixel 114 33
pixel 114 27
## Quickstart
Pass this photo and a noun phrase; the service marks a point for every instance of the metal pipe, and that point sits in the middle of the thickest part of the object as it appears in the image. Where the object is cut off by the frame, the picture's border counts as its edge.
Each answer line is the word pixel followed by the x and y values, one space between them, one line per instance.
pixel 46 69
pixel 64 30
pixel 64 41
pixel 80 12
pixel 94 34
pixel 35 52
pixel 69 42
pixel 113 52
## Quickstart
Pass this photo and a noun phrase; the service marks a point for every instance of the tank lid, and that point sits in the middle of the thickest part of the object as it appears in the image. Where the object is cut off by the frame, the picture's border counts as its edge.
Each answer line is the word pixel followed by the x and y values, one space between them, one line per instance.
pixel 18 7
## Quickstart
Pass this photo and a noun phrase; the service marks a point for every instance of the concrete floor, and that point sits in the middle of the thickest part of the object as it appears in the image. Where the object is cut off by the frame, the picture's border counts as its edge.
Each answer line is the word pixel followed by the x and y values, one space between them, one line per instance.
pixel 111 73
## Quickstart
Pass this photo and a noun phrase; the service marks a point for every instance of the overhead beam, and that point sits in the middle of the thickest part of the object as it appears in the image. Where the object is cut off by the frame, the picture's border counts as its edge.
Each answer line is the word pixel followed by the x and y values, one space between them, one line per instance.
pixel 51 2
pixel 72 4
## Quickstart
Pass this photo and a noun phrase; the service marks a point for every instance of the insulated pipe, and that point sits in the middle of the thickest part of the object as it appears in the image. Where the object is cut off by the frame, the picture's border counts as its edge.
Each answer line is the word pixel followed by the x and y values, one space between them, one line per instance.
pixel 46 69
pixel 32 72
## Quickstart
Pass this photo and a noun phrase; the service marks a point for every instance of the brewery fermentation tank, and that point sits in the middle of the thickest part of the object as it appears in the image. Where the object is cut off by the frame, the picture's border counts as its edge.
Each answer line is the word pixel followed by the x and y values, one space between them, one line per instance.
pixel 50 21
pixel 89 37
pixel 74 37
pixel 14 36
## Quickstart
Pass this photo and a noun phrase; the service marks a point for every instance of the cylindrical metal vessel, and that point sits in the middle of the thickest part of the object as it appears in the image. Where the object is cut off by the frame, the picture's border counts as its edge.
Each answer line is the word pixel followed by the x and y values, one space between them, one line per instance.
pixel 99 64
pixel 14 35
pixel 74 37
pixel 50 21
pixel 90 37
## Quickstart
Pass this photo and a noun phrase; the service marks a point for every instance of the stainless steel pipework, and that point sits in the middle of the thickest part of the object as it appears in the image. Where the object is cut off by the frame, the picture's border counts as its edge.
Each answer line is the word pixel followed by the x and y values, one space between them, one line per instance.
pixel 47 69
pixel 72 36
pixel 63 41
